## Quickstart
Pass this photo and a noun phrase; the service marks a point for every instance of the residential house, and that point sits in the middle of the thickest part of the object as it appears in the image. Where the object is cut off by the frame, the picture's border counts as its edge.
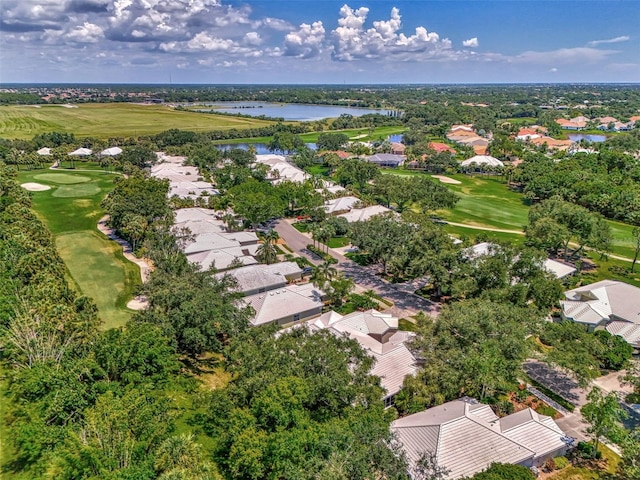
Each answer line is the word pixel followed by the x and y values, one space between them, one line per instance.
pixel 363 214
pixel 378 334
pixel 280 169
pixel 466 437
pixel 184 181
pixel 221 250
pixel 557 269
pixel 286 306
pixel 577 123
pixel 256 279
pixel 552 143
pixel 387 160
pixel 398 148
pixel 607 304
pixel 340 205
pixel 440 147
pixel 481 161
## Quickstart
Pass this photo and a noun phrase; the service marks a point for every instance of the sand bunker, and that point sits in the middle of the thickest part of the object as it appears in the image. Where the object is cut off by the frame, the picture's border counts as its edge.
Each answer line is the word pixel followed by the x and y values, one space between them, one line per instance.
pixel 35 187
pixel 444 179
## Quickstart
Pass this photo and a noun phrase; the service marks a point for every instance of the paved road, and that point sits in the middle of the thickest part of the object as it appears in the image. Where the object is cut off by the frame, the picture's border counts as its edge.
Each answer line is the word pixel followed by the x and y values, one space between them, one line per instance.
pixel 405 303
pixel 296 241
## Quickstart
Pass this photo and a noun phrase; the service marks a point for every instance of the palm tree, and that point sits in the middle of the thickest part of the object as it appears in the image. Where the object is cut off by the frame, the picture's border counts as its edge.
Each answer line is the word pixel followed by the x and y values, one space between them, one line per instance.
pixel 182 457
pixel 267 252
pixel 323 274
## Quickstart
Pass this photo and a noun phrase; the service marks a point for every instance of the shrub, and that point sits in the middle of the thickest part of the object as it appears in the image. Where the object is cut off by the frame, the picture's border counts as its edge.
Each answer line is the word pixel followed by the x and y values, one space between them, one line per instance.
pixel 522 395
pixel 549 465
pixel 361 302
pixel 504 407
pixel 587 450
pixel 546 410
pixel 561 462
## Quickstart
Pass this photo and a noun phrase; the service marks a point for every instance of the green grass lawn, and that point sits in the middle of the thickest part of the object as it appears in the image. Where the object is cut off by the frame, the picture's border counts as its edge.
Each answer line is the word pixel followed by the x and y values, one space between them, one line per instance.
pixel 96 265
pixel 487 202
pixel 380 132
pixel 337 242
pixel 608 468
pixel 472 233
pixel 104 120
pixel 320 170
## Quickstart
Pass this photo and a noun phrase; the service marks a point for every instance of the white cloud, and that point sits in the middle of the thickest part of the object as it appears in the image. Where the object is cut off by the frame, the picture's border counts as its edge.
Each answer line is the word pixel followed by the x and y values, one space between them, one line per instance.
pixel 87 33
pixel 553 70
pixel 563 55
pixel 205 42
pixel 351 41
pixel 252 38
pixel 622 38
pixel 306 42
pixel 274 24
pixel 471 43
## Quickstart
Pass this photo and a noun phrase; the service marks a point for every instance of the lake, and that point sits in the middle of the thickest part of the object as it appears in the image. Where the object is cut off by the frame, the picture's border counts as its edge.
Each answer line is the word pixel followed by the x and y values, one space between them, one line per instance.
pixel 288 111
pixel 576 137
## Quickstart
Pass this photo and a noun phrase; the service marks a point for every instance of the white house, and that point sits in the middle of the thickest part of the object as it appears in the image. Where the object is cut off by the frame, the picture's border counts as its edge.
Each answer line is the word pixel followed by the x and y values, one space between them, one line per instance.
pixel 378 334
pixel 466 437
pixel 608 304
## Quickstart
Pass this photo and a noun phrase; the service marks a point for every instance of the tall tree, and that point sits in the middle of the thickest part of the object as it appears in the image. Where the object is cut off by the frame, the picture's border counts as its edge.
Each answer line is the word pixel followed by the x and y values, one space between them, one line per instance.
pixel 604 414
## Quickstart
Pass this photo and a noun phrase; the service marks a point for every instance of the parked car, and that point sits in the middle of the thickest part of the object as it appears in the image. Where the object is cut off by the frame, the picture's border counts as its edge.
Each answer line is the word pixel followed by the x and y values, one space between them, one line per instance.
pixel 307 270
pixel 352 250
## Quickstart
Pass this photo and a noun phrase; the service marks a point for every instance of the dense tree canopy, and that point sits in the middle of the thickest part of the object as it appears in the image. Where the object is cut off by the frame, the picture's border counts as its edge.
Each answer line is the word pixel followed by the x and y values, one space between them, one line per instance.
pixel 300 405
pixel 475 348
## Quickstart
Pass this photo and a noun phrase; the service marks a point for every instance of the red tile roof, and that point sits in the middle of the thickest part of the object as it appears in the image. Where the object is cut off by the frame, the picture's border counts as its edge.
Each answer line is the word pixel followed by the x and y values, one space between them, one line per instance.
pixel 441 147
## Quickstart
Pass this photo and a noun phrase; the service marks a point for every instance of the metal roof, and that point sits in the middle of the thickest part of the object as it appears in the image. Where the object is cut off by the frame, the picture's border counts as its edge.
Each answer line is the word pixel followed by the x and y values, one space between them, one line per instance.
pixel 466 436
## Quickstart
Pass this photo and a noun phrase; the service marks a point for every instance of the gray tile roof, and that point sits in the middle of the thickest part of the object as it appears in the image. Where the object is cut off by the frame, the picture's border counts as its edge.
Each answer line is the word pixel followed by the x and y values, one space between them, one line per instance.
pixel 610 299
pixel 466 436
pixel 267 277
pixel 284 302
pixel 394 360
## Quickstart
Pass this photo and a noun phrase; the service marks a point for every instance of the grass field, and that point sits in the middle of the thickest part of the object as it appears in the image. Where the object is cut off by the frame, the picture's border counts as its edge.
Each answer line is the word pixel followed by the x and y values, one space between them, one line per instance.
pixel 104 120
pixel 487 202
pixel 361 134
pixel 96 265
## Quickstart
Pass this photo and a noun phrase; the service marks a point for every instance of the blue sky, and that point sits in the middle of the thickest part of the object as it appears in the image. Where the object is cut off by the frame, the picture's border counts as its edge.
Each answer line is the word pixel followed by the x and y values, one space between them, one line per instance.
pixel 319 41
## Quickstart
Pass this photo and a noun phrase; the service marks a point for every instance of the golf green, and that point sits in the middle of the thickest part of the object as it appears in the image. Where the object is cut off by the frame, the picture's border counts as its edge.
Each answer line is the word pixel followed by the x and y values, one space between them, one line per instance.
pixel 78 190
pixel 62 178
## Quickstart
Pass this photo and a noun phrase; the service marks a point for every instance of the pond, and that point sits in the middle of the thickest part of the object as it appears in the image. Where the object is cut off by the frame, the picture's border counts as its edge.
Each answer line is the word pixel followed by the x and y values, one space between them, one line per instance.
pixel 261 148
pixel 288 111
pixel 576 137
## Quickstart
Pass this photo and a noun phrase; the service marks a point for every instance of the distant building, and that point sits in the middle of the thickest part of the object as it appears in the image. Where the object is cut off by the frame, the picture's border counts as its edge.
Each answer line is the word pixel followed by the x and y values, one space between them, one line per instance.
pixel 398 148
pixel 440 147
pixel 387 160
pixel 280 169
pixel 340 205
pixel 363 214
pixel 480 161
